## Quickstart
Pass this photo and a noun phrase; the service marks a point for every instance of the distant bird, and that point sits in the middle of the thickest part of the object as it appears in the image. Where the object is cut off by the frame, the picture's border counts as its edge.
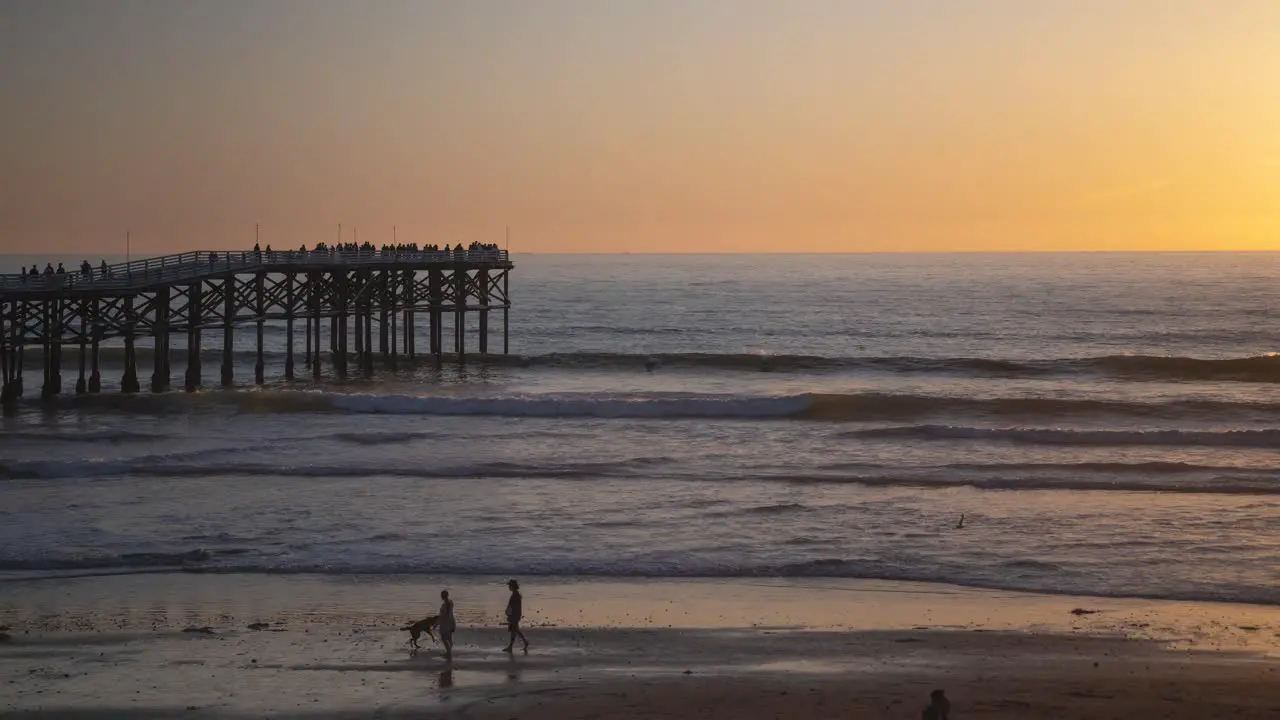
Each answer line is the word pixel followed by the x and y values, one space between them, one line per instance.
pixel 960 525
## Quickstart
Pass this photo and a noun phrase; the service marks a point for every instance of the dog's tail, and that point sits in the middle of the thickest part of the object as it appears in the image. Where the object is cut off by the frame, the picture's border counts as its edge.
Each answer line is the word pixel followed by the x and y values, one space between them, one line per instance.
pixel 406 628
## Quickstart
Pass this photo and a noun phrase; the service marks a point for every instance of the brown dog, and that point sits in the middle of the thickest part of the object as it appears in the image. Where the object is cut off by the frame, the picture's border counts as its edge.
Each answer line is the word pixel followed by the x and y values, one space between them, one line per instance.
pixel 425 625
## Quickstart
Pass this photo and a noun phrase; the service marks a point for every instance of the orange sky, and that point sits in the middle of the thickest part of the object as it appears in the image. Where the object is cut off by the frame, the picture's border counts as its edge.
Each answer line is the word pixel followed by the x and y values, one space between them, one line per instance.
pixel 642 125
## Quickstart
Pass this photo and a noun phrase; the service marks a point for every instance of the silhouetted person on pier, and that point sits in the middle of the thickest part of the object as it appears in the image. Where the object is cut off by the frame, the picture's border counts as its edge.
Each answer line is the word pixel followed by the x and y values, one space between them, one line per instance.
pixel 86 269
pixel 106 271
pixel 35 272
pixel 61 270
pixel 515 611
pixel 48 268
pixel 939 707
pixel 447 624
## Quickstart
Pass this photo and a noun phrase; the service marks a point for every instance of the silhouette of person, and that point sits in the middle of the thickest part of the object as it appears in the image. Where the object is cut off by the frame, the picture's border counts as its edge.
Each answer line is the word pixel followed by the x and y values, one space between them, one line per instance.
pixel 939 707
pixel 515 610
pixel 447 624
pixel 61 270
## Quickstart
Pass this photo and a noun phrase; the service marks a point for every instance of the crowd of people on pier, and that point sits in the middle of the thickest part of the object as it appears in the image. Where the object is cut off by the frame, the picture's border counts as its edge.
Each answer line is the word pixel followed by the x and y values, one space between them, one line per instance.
pixel 86 270
pixel 396 249
pixel 104 271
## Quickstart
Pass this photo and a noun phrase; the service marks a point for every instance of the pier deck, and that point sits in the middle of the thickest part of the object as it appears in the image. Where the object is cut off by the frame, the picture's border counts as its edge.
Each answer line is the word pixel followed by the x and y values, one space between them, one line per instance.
pixel 189 294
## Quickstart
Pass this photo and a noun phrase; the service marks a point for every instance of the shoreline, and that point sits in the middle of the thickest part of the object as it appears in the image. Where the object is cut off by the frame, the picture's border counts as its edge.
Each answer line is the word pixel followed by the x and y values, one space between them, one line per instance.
pixel 820 581
pixel 175 600
pixel 115 646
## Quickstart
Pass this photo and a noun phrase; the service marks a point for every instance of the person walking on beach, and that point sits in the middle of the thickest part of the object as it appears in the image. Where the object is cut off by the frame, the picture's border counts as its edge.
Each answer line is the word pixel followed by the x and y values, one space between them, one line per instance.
pixel 515 611
pixel 447 624
pixel 939 707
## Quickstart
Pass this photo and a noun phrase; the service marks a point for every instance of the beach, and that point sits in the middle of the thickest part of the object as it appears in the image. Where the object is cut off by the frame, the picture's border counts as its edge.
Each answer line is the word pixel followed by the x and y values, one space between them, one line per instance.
pixel 160 645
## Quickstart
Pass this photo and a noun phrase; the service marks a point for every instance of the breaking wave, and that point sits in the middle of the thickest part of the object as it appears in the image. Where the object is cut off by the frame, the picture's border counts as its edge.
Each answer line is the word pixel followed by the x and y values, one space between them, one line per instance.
pixel 1033 576
pixel 1263 368
pixel 1267 438
pixel 1257 369
pixel 1097 476
pixel 850 407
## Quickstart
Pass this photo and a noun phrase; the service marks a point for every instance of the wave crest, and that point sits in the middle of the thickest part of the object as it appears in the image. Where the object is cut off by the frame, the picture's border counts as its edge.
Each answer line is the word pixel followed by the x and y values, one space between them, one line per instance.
pixel 850 407
pixel 1255 369
pixel 1265 438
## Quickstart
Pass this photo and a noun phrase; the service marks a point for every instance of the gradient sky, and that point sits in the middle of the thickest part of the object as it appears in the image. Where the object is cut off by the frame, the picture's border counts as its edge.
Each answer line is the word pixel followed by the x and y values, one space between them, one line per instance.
pixel 642 125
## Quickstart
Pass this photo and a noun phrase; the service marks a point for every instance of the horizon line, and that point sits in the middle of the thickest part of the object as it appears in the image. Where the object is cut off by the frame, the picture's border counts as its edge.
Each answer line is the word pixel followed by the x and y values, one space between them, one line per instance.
pixel 1238 251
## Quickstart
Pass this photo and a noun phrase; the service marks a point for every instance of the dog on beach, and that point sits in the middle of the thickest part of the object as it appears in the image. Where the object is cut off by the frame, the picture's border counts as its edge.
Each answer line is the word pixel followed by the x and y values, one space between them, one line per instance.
pixel 425 625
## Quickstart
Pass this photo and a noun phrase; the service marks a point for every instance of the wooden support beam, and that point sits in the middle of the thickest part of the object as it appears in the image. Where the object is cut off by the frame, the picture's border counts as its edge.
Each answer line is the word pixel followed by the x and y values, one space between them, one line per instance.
pixel 313 291
pixel 8 342
pixel 260 312
pixel 95 355
pixel 482 282
pixel 129 383
pixel 367 304
pixel 228 331
pixel 383 305
pixel 409 338
pixel 195 299
pixel 46 350
pixel 392 360
pixel 160 331
pixel 344 295
pixel 434 296
pixel 82 385
pixel 460 312
pixel 357 312
pixel 290 281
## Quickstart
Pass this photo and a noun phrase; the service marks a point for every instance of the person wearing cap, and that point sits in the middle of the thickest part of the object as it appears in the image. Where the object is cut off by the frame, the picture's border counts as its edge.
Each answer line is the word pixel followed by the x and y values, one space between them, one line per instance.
pixel 514 613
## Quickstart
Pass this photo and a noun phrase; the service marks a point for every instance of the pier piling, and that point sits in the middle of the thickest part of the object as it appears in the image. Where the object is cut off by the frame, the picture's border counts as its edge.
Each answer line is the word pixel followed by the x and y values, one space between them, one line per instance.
pixel 290 282
pixel 259 288
pixel 482 284
pixel 95 371
pixel 228 330
pixel 129 383
pixel 194 299
pixel 160 332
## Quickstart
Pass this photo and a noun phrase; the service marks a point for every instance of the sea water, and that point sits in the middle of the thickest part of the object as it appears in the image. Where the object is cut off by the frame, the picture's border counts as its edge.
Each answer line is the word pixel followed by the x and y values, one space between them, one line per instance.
pixel 1106 423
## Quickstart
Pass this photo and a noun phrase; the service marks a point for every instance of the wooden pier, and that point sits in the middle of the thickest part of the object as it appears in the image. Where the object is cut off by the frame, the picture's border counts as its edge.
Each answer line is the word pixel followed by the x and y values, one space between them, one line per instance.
pixel 370 299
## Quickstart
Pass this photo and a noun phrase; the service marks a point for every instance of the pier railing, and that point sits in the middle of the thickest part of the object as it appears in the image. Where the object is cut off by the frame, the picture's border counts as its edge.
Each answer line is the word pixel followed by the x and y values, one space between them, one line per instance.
pixel 203 263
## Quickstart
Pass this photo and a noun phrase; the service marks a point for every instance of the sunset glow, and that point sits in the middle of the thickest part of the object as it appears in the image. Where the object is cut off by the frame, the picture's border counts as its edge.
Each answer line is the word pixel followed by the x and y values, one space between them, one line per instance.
pixel 643 126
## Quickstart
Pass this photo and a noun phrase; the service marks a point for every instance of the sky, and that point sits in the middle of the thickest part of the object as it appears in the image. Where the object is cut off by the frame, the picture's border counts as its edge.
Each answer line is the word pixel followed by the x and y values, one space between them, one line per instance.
pixel 641 125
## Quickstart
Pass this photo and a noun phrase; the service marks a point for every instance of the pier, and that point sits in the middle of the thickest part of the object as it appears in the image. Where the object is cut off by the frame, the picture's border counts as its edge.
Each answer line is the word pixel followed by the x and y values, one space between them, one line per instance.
pixel 368 298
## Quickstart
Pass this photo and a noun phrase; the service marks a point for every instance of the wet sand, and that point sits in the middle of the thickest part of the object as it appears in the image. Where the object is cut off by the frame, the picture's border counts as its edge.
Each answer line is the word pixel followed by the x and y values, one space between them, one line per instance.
pixel 110 647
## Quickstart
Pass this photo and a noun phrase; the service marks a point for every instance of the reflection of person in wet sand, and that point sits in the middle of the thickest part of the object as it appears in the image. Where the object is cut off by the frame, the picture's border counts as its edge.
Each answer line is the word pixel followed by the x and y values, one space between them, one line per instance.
pixel 447 624
pixel 514 613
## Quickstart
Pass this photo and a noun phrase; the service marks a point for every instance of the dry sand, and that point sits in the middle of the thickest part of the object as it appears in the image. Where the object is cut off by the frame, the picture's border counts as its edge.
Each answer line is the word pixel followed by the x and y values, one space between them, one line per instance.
pixel 107 647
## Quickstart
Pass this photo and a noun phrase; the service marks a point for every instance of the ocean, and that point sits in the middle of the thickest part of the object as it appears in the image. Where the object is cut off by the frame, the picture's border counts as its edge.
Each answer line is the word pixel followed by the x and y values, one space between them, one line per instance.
pixel 1107 424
